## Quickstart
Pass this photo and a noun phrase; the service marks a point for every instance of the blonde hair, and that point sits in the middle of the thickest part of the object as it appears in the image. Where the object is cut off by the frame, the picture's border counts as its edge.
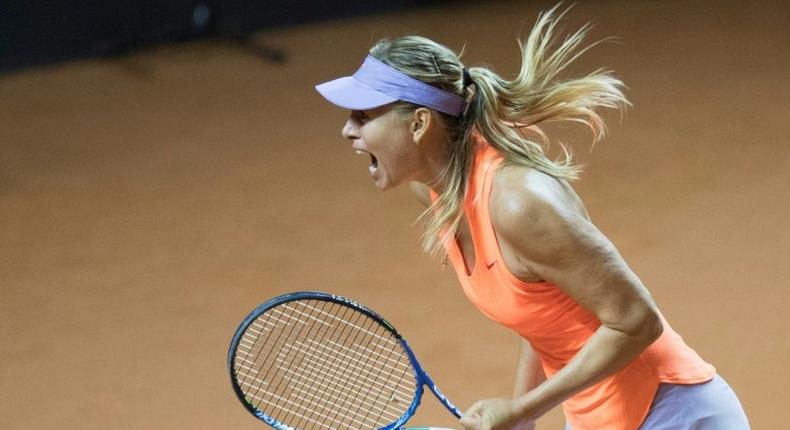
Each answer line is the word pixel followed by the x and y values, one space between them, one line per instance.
pixel 507 113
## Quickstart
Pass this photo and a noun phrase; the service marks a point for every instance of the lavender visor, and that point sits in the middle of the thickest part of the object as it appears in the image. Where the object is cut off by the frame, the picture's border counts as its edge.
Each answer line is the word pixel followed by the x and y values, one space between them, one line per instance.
pixel 376 84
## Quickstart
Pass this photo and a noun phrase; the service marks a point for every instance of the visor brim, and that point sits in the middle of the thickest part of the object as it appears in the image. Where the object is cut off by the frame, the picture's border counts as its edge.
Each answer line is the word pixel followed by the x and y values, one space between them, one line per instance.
pixel 349 93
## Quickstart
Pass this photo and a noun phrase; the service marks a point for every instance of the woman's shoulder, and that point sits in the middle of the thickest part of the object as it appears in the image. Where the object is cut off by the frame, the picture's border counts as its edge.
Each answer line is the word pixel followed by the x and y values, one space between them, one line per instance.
pixel 521 188
pixel 526 200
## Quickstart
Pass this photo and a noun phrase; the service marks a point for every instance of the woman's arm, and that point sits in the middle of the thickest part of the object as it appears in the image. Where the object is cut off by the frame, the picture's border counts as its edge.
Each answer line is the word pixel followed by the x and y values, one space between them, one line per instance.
pixel 529 374
pixel 529 371
pixel 553 240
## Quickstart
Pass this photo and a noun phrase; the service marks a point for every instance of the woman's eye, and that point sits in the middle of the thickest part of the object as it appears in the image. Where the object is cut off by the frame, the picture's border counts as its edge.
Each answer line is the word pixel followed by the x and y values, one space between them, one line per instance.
pixel 361 116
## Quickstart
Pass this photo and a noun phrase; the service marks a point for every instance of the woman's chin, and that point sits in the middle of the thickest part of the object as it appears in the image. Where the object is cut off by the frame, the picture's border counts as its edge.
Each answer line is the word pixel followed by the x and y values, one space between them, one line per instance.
pixel 382 184
pixel 381 181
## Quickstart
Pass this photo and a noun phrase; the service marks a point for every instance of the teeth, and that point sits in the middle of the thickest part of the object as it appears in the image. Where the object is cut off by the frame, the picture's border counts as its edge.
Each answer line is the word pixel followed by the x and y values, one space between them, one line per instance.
pixel 371 169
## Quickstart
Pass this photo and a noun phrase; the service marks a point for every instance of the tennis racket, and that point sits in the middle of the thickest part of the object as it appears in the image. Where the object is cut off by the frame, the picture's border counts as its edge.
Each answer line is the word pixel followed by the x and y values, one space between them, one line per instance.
pixel 316 361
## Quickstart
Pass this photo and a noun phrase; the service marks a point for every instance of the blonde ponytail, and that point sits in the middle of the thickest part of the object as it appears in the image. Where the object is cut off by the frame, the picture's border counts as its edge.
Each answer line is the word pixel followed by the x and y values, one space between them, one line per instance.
pixel 507 113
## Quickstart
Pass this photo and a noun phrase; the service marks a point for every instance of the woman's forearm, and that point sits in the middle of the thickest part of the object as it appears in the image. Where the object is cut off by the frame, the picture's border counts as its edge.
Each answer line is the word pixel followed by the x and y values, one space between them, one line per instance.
pixel 606 352
pixel 529 372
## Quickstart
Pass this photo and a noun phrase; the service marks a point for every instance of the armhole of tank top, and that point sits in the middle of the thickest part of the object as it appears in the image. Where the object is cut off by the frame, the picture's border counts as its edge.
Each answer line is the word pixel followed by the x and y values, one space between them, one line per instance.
pixel 493 254
pixel 494 257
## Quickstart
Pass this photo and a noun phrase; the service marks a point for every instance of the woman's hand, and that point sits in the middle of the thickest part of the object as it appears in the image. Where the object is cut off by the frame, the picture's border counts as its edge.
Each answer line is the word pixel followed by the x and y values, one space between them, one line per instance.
pixel 494 414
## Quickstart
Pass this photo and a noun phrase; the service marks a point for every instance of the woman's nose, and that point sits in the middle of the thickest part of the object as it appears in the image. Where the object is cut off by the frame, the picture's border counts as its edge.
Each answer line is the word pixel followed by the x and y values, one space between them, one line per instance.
pixel 350 130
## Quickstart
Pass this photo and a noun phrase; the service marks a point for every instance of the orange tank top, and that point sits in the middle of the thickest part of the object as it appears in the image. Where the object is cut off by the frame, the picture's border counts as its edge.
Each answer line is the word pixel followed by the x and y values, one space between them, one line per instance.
pixel 557 327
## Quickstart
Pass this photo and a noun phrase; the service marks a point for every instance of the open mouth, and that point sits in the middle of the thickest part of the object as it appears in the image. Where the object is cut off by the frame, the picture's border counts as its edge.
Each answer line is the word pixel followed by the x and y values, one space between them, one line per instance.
pixel 374 162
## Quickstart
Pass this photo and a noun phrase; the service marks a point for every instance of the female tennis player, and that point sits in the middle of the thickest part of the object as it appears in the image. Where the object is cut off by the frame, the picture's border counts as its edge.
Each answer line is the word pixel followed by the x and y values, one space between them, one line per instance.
pixel 523 246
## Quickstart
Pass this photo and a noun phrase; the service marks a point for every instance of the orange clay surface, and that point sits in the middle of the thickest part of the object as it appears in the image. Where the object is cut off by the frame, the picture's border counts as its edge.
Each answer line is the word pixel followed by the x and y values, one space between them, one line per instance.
pixel 148 202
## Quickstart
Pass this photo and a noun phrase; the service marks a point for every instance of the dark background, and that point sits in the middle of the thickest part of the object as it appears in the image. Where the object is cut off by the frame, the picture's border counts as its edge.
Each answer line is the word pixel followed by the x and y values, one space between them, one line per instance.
pixel 40 32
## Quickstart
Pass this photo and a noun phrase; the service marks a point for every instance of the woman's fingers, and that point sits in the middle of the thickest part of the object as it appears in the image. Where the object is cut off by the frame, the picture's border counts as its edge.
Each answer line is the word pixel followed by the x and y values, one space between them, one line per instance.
pixel 473 417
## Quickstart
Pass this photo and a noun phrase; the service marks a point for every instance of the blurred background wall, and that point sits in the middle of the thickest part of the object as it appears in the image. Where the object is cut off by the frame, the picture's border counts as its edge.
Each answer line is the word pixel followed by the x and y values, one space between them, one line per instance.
pixel 41 32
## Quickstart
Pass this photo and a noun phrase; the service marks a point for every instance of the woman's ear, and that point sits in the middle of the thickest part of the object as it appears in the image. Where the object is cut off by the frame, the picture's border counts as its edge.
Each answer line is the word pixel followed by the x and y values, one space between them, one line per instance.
pixel 421 124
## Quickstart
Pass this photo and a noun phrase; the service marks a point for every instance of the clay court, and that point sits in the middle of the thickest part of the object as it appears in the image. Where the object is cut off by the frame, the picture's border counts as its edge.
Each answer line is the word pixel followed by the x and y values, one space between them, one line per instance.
pixel 148 202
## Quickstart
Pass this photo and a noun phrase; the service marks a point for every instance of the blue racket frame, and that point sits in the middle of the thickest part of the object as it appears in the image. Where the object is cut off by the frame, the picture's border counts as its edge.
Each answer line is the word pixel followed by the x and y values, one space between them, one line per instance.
pixel 420 375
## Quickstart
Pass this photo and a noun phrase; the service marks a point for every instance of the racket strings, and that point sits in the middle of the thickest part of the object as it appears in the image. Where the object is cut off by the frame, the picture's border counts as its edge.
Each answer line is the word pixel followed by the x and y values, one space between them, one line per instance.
pixel 255 385
pixel 316 364
pixel 341 403
pixel 265 389
pixel 287 410
pixel 327 380
pixel 380 360
pixel 362 380
pixel 394 393
pixel 316 372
